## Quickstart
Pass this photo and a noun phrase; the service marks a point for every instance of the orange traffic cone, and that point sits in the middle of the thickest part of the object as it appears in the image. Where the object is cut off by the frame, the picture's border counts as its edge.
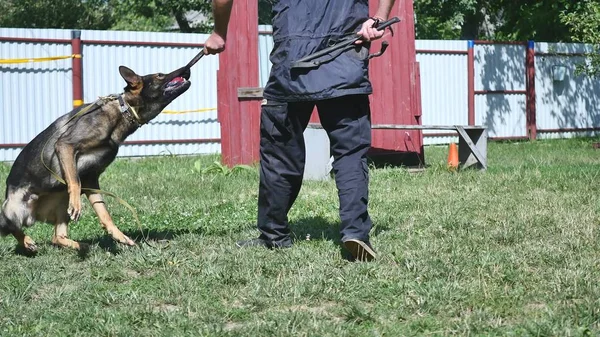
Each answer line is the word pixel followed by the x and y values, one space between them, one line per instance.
pixel 453 157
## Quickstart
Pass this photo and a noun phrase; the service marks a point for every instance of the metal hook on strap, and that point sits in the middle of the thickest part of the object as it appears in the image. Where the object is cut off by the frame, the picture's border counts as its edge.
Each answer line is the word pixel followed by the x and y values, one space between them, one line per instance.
pixel 384 46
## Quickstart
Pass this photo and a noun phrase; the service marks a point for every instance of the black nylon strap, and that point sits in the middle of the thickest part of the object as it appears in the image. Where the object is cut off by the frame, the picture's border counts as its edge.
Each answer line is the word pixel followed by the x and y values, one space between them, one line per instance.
pixel 337 49
pixel 330 56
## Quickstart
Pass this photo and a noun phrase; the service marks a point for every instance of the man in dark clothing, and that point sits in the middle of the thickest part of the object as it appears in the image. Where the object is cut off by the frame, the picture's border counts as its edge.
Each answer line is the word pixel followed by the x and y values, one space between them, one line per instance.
pixel 338 87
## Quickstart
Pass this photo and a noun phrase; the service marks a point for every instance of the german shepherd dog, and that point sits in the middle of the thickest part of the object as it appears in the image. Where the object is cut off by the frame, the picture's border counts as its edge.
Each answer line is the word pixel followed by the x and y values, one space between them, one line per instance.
pixel 78 147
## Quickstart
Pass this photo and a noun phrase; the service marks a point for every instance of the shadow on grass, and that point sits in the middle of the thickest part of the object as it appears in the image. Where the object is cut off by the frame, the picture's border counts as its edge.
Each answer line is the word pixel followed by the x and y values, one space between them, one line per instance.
pixel 319 228
pixel 20 250
pixel 154 238
pixel 313 228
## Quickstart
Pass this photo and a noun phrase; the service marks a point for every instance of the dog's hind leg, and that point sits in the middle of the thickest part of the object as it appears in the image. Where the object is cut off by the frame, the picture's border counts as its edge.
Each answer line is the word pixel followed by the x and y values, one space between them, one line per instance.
pixel 25 241
pixel 4 225
pixel 60 237
pixel 52 208
pixel 61 224
pixel 105 219
pixel 16 213
pixel 7 227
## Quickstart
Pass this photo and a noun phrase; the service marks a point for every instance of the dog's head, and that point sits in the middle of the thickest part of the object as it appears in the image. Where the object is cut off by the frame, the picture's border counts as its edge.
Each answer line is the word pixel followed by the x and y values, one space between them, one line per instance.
pixel 150 94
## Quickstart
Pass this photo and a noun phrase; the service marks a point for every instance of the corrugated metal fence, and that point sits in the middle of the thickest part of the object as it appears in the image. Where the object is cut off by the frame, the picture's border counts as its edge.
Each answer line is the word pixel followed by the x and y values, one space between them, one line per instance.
pixel 32 95
pixel 461 81
pixel 443 66
pixel 500 90
pixel 564 104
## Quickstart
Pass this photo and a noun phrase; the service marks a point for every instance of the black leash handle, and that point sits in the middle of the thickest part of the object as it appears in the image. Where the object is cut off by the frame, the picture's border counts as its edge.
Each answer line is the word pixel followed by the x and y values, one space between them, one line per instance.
pixel 195 59
pixel 383 25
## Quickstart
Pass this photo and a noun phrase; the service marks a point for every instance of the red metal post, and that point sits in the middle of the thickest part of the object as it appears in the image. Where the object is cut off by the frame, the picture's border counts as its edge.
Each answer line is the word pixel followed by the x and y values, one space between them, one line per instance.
pixel 239 118
pixel 77 72
pixel 530 88
pixel 418 109
pixel 471 81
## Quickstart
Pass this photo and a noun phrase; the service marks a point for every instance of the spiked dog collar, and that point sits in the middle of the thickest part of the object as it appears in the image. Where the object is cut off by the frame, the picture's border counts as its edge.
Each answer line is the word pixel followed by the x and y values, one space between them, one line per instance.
pixel 129 112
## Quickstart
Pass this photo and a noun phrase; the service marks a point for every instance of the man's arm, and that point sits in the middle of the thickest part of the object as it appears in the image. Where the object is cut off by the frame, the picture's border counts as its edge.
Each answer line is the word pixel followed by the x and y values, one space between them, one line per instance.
pixel 221 14
pixel 367 32
pixel 384 9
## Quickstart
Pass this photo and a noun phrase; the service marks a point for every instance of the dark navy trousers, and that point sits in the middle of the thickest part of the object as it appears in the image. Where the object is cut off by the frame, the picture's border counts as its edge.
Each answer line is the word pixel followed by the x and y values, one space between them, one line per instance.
pixel 282 155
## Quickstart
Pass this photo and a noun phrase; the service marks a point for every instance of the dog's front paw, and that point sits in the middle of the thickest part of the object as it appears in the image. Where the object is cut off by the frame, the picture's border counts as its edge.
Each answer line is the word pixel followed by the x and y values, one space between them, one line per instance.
pixel 128 241
pixel 123 239
pixel 74 209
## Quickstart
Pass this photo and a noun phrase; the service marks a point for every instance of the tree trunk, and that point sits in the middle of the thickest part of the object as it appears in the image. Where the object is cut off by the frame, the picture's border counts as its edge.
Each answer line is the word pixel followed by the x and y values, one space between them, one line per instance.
pixel 470 28
pixel 184 25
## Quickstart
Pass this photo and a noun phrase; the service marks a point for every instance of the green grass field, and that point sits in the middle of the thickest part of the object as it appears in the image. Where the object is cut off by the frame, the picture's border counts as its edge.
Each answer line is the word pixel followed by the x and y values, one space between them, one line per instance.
pixel 511 251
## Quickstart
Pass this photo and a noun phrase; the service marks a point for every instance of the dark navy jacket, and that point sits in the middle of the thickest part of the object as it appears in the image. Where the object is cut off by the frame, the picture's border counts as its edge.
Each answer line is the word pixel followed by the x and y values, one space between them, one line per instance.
pixel 302 27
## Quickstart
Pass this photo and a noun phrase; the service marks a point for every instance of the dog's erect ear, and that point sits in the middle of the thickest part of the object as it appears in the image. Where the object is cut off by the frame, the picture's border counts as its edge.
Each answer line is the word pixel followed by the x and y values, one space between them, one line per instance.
pixel 130 76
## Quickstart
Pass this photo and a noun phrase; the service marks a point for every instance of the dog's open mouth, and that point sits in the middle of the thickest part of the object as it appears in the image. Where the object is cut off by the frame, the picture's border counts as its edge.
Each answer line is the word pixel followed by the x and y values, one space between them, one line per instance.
pixel 175 83
pixel 178 81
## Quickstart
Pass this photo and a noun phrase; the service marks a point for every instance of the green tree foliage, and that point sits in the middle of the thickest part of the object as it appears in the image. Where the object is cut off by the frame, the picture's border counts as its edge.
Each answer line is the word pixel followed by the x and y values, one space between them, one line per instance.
pixel 136 15
pixel 442 19
pixel 533 19
pixel 90 14
pixel 583 21
pixel 492 19
pixel 139 15
pixel 159 15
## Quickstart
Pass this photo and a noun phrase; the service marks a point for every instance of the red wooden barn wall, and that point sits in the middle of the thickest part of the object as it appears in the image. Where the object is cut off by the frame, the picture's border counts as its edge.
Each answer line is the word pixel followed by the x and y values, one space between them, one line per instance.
pixel 395 78
pixel 238 67
pixel 396 85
